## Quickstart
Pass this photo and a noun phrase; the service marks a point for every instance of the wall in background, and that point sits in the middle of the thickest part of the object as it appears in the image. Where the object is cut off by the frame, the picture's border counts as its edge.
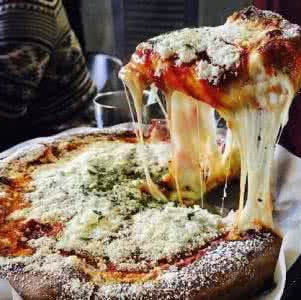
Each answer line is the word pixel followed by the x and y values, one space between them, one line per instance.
pixel 98 23
pixel 98 26
pixel 215 12
pixel 290 9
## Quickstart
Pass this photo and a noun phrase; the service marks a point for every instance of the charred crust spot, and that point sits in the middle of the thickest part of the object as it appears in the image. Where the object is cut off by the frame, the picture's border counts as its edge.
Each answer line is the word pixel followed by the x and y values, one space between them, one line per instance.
pixel 88 259
pixel 151 42
pixel 124 134
pixel 189 46
pixel 274 33
pixel 253 13
pixel 190 215
pixel 279 55
pixel 203 56
pixel 33 229
pixel 6 181
pixel 249 12
pixel 55 151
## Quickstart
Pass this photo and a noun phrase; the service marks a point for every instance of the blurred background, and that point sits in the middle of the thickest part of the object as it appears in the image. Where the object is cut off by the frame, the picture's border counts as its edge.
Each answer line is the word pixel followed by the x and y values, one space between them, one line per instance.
pixel 115 27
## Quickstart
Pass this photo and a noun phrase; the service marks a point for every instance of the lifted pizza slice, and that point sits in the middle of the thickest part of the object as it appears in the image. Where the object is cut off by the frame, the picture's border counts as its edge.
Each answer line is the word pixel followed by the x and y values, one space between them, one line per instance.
pixel 249 70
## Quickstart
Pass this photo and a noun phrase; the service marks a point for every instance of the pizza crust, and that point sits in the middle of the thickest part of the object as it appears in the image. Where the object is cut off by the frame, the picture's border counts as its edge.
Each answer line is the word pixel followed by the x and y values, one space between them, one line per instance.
pixel 229 270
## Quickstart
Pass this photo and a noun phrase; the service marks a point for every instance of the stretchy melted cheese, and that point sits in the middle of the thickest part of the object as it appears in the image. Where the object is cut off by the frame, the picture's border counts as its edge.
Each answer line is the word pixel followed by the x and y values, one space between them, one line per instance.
pixel 194 146
pixel 249 70
pixel 136 90
pixel 256 132
pixel 197 163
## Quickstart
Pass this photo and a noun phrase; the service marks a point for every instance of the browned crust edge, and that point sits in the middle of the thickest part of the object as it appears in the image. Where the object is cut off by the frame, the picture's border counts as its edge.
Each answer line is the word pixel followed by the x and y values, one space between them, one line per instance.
pixel 228 270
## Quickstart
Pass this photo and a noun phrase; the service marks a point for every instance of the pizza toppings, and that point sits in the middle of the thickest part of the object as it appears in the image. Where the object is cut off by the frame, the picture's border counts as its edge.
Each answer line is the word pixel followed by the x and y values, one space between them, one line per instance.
pixel 33 229
pixel 89 205
pixel 163 234
pixel 11 201
pixel 185 46
pixel 15 235
pixel 249 71
pixel 217 75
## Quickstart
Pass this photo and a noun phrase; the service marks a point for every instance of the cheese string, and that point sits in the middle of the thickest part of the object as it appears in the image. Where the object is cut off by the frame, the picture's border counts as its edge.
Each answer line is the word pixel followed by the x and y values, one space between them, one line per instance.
pixel 202 179
pixel 136 91
pixel 256 132
pixel 228 156
pixel 195 152
pixel 131 110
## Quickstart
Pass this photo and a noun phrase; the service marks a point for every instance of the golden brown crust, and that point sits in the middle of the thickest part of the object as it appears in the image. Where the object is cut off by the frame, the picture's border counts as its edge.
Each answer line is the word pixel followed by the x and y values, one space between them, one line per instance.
pixel 262 19
pixel 228 270
pixel 34 286
pixel 280 46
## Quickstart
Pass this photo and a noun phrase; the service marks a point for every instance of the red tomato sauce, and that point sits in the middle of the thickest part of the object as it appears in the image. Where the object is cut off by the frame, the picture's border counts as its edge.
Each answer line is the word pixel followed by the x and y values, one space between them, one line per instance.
pixel 14 234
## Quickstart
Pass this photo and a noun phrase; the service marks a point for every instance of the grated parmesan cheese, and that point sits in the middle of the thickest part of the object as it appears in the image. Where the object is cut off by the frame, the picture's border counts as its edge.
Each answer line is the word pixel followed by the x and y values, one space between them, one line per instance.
pixel 222 45
pixel 96 193
pixel 187 43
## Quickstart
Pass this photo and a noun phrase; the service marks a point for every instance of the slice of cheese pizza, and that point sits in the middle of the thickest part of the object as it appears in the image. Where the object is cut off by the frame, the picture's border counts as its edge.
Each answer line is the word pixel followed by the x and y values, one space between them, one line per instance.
pixel 249 70
pixel 224 66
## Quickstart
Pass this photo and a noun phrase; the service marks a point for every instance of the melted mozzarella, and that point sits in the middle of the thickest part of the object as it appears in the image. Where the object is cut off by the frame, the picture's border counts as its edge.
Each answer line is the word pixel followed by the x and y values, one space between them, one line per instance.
pixel 256 131
pixel 193 138
pixel 196 158
pixel 197 162
pixel 136 89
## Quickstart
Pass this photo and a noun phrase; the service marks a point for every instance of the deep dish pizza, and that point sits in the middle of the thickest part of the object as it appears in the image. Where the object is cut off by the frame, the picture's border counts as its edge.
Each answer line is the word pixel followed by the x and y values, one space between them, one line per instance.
pixel 77 222
pixel 119 215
